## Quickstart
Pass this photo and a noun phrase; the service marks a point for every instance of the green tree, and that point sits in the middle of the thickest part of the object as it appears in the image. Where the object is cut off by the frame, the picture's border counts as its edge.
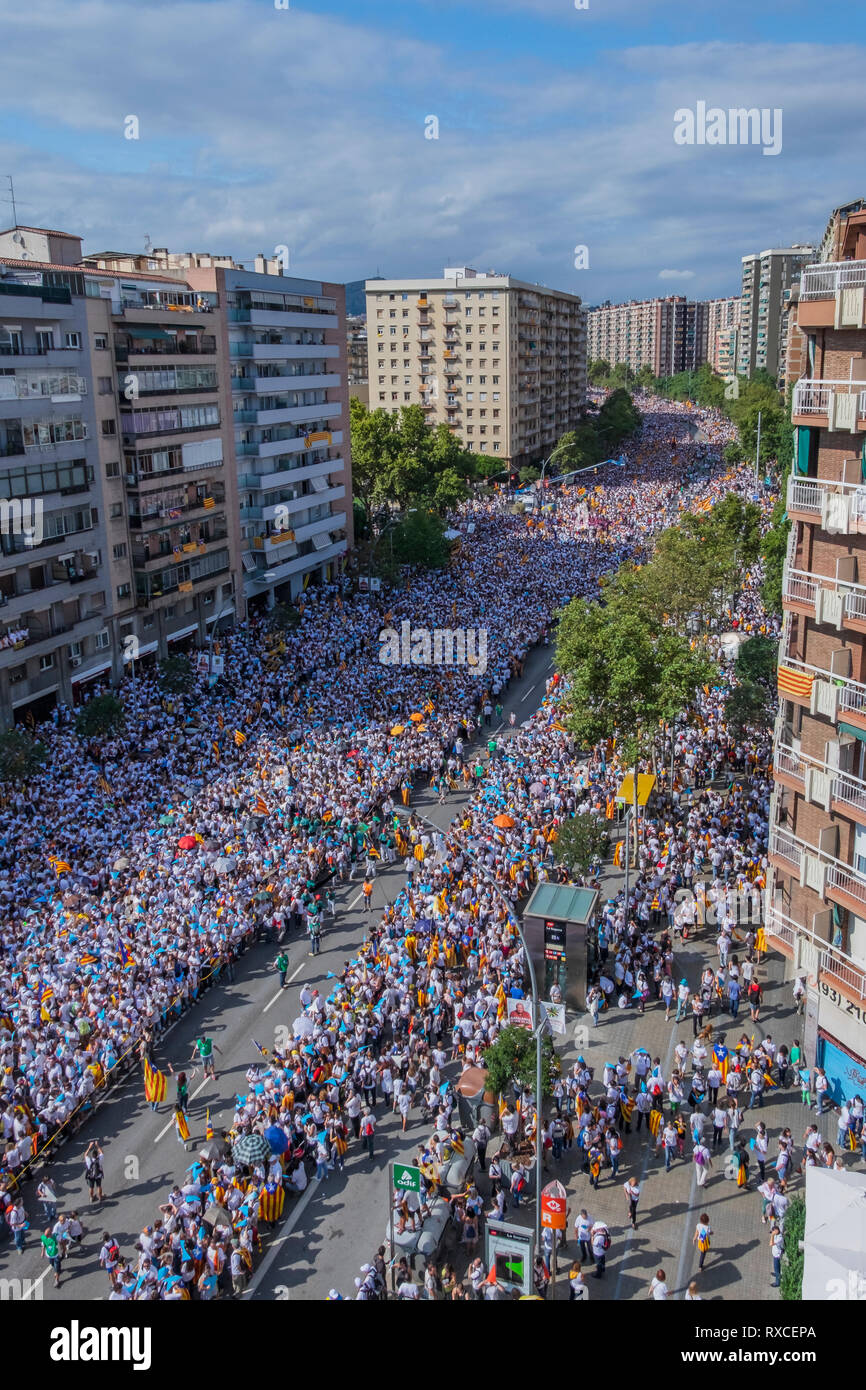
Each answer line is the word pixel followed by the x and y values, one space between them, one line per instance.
pixel 175 675
pixel 420 540
pixel 793 1257
pixel 581 839
pixel 101 715
pixel 512 1058
pixel 528 474
pixel 598 371
pixel 757 660
pixel 21 756
pixel 749 706
pixel 774 547
pixel 644 378
pixel 617 419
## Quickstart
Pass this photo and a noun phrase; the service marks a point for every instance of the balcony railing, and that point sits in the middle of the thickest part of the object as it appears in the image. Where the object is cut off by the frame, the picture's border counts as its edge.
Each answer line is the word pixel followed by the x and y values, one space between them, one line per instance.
pixel 833 962
pixel 844 786
pixel 845 598
pixel 825 281
pixel 836 876
pixel 835 506
pixel 851 693
pixel 814 396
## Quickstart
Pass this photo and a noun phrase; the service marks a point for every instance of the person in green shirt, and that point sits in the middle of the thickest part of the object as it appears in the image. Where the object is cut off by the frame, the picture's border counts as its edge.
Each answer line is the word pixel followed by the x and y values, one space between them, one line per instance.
pixel 282 964
pixel 205 1048
pixel 51 1253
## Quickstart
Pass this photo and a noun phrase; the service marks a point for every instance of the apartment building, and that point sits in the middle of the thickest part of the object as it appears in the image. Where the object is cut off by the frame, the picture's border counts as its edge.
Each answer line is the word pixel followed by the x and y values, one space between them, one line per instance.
pixel 282 363
pixel 500 361
pixel 668 335
pixel 356 337
pixel 766 285
pixel 816 894
pixel 722 323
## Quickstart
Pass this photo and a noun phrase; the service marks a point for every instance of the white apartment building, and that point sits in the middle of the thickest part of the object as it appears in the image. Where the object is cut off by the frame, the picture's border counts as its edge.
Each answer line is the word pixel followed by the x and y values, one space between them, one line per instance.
pixel 500 361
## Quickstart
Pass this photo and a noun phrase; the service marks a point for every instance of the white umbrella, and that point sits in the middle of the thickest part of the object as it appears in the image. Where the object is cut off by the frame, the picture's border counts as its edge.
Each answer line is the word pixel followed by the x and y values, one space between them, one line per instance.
pixel 303 1027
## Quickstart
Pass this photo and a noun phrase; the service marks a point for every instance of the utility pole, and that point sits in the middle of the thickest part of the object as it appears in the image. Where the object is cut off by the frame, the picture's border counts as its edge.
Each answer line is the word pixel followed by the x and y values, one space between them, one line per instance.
pixel 758 451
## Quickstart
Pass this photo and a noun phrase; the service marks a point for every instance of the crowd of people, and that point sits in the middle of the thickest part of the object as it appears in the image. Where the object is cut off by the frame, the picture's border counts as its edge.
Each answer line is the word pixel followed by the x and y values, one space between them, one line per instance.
pixel 137 866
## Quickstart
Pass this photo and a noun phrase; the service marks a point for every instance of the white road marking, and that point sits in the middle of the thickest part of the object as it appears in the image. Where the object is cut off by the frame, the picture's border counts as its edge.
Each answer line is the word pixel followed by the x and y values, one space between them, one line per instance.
pixel 280 992
pixel 298 1210
pixel 528 693
pixel 35 1285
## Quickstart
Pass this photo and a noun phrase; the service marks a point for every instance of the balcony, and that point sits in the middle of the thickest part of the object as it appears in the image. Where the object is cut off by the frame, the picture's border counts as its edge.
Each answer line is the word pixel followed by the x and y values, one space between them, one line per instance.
pixel 836 602
pixel 821 872
pixel 822 692
pixel 835 405
pixel 808 950
pixel 829 787
pixel 832 295
pixel 838 508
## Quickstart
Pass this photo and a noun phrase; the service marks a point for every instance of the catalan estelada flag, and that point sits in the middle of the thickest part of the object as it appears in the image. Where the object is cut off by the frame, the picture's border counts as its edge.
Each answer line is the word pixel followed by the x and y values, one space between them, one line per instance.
pixel 271 1202
pixel 182 1126
pixel 125 958
pixel 720 1057
pixel 240 738
pixel 208 1127
pixel 155 1083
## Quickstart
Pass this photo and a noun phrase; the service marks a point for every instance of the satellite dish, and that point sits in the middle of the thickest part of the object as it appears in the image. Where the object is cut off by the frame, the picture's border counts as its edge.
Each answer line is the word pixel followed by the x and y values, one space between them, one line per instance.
pixel 18 238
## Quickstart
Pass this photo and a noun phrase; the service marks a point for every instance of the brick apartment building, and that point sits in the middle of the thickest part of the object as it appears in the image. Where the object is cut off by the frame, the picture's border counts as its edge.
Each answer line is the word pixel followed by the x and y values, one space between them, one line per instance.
pixel 816 895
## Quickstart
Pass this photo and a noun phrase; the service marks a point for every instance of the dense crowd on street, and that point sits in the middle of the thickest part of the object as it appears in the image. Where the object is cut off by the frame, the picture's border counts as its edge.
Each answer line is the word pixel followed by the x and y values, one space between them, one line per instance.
pixel 136 868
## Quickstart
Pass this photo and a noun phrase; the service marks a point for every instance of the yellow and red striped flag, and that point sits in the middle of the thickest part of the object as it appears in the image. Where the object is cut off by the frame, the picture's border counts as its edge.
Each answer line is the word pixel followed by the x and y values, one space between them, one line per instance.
pixel 59 866
pixel 182 1126
pixel 240 738
pixel 154 1083
pixel 262 808
pixel 220 721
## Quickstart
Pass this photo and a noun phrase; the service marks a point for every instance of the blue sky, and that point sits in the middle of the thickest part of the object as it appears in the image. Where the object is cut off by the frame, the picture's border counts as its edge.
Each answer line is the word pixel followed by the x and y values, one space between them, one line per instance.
pixel 306 127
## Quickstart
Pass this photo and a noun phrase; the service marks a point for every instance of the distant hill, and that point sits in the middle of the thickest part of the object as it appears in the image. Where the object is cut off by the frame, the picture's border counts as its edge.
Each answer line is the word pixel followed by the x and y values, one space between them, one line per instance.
pixel 356 299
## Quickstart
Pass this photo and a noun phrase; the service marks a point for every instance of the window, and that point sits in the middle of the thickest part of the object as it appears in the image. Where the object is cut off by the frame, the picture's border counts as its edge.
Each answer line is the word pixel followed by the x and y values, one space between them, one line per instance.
pixel 104 385
pixel 381 395
pixel 72 340
pixel 496 446
pixel 46 662
pixel 469 429
pixel 100 342
pixel 44 339
pixel 381 380
pixel 469 381
pixel 109 427
pixel 112 470
pixel 124 590
pixel 407 395
pixel 483 381
pixel 392 313
pixel 402 296
pixel 116 510
pixel 482 395
pixel 470 395
pixel 119 551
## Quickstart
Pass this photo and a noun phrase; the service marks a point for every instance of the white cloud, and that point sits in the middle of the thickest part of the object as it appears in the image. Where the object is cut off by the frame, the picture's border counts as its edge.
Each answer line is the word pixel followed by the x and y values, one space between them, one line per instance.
pixel 676 275
pixel 263 127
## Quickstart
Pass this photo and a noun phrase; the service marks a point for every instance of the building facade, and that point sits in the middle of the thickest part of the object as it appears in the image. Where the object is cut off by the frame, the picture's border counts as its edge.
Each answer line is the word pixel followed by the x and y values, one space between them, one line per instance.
pixel 667 335
pixel 816 894
pixel 174 445
pixel 356 339
pixel 766 285
pixel 723 322
pixel 501 362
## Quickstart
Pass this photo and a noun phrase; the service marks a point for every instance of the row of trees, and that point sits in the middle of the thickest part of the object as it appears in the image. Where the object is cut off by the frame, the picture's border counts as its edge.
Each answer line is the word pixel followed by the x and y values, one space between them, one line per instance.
pixel 635 658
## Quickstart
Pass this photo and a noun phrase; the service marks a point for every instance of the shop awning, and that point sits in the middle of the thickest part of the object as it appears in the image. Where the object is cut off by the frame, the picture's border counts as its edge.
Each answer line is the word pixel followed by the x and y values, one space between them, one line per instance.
pixel 645 784
pixel 853 731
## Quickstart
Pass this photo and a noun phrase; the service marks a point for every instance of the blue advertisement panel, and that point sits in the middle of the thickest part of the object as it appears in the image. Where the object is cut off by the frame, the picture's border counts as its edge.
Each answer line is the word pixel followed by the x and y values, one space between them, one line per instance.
pixel 846 1074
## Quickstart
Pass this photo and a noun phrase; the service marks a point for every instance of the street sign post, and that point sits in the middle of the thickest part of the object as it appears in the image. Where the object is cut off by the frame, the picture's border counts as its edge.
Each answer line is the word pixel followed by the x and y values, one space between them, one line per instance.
pixel 509 1250
pixel 554 1214
pixel 404 1178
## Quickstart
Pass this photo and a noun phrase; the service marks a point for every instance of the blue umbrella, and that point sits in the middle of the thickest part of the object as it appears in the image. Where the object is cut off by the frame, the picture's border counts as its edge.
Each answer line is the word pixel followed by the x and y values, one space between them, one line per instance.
pixel 277 1139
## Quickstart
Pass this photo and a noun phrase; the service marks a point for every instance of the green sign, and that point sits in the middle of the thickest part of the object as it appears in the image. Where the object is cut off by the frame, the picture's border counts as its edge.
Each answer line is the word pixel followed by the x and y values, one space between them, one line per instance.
pixel 406 1178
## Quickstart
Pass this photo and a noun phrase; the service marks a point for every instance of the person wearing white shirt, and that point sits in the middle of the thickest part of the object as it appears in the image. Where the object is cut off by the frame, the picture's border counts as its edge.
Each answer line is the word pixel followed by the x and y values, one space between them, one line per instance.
pixel 658 1289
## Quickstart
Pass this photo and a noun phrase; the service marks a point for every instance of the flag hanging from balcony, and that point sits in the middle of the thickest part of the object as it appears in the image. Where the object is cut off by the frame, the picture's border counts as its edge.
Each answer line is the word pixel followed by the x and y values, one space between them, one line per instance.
pixel 796 683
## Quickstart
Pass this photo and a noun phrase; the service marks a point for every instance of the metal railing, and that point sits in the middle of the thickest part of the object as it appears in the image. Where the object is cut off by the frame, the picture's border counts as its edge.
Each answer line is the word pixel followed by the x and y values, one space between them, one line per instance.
pixel 812 395
pixel 832 960
pixel 825 281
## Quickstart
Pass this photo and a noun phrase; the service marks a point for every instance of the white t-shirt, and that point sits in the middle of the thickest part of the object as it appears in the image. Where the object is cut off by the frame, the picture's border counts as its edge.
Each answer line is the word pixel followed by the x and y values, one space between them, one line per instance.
pixel 658 1288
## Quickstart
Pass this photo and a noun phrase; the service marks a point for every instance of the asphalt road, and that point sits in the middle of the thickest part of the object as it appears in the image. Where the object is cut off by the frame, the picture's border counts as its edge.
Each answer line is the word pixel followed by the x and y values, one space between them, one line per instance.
pixel 335 1226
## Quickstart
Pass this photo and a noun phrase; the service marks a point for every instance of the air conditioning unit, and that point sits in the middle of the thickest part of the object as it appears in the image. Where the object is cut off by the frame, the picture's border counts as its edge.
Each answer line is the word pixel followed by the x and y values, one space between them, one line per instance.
pixel 75 661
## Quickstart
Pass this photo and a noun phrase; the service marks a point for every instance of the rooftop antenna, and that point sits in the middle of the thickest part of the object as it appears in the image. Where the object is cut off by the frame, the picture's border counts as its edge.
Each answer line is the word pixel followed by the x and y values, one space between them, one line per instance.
pixel 148 245
pixel 12 200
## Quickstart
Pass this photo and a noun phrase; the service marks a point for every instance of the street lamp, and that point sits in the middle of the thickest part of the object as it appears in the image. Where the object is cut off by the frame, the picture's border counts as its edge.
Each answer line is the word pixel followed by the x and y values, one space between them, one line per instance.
pixel 216 623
